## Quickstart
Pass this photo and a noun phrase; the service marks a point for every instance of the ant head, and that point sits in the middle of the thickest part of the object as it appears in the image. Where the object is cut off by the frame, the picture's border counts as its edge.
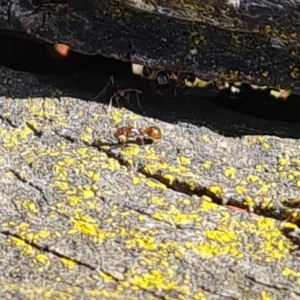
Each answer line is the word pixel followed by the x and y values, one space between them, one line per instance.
pixel 153 132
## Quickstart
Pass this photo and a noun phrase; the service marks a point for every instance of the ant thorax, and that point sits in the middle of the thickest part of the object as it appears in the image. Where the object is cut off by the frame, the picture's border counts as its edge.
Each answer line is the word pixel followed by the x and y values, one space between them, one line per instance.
pixel 135 135
pixel 135 131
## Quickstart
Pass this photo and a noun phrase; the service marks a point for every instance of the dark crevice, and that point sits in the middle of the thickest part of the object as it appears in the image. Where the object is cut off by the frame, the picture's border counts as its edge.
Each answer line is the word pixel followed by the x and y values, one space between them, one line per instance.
pixel 76 261
pixel 47 249
pixel 65 136
pixel 183 187
pixel 273 286
pixel 40 190
pixel 36 132
pixel 81 76
pixel 8 121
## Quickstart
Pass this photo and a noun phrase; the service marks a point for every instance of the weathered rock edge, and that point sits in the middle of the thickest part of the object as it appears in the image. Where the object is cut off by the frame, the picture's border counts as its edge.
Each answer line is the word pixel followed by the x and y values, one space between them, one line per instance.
pixel 218 41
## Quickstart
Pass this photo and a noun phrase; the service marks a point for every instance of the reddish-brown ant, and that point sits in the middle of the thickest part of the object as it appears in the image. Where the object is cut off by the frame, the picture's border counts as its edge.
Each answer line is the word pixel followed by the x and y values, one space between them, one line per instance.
pixel 129 134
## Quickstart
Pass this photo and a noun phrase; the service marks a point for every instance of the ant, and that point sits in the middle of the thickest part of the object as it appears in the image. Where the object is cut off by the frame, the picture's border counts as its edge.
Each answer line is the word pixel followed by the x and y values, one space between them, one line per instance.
pixel 164 79
pixel 129 134
pixel 118 93
pixel 177 81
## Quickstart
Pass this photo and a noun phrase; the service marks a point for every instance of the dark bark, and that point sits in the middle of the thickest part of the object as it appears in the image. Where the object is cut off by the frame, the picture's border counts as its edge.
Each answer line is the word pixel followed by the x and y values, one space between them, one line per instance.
pixel 255 42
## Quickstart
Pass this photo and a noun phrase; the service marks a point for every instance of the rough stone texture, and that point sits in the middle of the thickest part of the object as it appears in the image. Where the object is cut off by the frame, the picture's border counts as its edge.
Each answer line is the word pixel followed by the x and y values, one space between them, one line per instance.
pixel 251 41
pixel 196 215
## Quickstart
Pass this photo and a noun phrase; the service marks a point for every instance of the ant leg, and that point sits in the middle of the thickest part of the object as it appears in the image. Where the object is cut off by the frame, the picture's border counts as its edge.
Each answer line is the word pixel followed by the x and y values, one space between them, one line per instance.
pixel 103 91
pixel 122 141
pixel 117 98
pixel 138 99
pixel 114 96
pixel 127 97
pixel 111 81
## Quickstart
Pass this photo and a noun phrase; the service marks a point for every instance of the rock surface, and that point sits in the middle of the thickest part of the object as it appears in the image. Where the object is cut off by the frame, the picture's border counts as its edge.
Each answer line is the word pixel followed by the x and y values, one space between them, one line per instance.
pixel 210 211
pixel 84 222
pixel 255 42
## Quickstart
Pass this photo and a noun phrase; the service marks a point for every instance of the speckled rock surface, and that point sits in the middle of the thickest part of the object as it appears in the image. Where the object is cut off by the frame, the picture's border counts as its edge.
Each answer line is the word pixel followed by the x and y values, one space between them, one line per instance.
pixel 197 215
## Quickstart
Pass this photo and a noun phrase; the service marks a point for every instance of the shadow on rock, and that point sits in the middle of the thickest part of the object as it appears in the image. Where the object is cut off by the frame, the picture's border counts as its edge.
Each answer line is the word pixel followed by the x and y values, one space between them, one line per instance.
pixel 76 75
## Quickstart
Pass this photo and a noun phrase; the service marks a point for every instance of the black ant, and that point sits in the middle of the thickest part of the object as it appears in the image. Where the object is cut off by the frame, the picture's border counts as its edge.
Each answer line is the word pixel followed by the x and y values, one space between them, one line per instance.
pixel 177 81
pixel 118 93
